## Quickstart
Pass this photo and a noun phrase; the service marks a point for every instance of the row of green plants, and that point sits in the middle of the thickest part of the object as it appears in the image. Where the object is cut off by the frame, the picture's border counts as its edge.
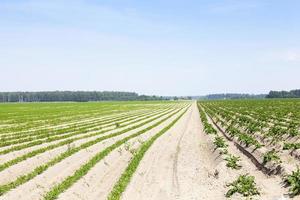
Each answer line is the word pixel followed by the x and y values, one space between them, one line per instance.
pixel 271 125
pixel 245 184
pixel 71 140
pixel 90 126
pixel 219 142
pixel 274 111
pixel 83 170
pixel 24 117
pixel 230 125
pixel 277 128
pixel 40 169
pixel 56 138
pixel 86 123
pixel 246 139
pixel 125 178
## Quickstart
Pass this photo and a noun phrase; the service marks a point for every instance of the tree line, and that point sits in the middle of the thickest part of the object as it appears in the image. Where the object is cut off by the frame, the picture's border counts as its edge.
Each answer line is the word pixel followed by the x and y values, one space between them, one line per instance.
pixel 79 96
pixel 233 96
pixel 284 94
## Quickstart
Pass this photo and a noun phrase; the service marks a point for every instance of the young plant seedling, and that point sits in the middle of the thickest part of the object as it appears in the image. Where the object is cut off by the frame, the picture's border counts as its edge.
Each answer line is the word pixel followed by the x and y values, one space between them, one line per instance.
pixel 293 180
pixel 220 142
pixel 232 162
pixel 244 185
pixel 271 156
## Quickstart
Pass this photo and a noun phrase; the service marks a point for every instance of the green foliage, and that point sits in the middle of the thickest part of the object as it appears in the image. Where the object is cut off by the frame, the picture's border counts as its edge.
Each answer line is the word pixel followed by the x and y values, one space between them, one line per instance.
pixel 125 178
pixel 219 142
pixel 80 96
pixel 232 162
pixel 284 94
pixel 291 146
pixel 83 170
pixel 208 128
pixel 271 118
pixel 68 141
pixel 24 178
pixel 244 185
pixel 293 132
pixel 293 180
pixel 271 156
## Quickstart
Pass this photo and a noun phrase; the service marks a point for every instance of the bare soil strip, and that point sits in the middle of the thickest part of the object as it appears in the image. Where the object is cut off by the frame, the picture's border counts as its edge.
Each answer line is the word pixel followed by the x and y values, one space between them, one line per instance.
pixel 35 188
pixel 94 128
pixel 98 183
pixel 21 168
pixel 270 186
pixel 182 164
pixel 14 154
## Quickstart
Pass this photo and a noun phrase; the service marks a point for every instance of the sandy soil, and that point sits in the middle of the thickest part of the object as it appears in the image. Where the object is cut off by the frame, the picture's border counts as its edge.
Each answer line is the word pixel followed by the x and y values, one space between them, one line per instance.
pixel 105 126
pixel 177 166
pixel 23 167
pixel 6 157
pixel 182 164
pixel 270 187
pixel 35 188
pixel 99 181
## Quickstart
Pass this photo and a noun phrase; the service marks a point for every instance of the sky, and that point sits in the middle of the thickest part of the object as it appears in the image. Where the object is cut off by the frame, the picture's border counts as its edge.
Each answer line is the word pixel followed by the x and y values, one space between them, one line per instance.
pixel 160 47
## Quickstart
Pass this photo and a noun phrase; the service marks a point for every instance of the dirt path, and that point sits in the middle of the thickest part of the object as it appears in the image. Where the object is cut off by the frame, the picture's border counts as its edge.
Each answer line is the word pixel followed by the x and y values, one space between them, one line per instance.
pixel 177 166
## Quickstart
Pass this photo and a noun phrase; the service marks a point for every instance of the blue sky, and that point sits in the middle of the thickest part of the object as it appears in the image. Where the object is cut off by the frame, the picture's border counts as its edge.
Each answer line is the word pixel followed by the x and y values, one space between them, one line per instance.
pixel 166 47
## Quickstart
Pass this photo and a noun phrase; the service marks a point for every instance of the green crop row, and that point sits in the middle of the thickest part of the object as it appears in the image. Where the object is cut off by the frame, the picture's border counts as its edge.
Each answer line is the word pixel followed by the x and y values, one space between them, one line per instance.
pixel 66 142
pixel 38 170
pixel 83 170
pixel 125 178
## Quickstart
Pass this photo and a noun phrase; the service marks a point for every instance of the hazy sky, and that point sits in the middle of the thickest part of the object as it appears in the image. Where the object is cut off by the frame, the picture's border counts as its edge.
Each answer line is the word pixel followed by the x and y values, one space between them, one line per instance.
pixel 163 47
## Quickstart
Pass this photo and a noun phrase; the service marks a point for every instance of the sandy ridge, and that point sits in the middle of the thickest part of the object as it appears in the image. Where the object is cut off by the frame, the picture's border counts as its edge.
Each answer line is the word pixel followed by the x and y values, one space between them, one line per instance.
pixel 25 166
pixel 98 183
pixel 14 154
pixel 35 188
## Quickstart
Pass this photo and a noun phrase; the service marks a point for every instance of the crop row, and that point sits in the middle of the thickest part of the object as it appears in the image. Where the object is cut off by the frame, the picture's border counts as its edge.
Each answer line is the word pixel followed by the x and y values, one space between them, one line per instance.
pixel 90 126
pixel 71 140
pixel 257 136
pixel 69 152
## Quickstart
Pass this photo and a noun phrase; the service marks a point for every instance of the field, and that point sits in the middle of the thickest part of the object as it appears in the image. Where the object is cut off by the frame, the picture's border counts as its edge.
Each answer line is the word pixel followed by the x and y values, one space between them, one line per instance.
pixel 266 135
pixel 150 150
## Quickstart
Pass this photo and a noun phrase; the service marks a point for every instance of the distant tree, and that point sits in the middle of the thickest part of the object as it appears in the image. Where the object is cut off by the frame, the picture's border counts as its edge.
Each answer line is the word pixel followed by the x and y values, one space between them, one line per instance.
pixel 284 94
pixel 79 96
